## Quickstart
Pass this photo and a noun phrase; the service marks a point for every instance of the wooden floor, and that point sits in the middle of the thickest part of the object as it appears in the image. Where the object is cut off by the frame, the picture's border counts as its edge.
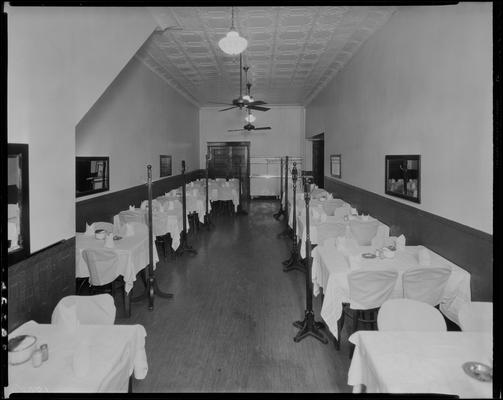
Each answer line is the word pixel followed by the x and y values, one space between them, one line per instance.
pixel 229 326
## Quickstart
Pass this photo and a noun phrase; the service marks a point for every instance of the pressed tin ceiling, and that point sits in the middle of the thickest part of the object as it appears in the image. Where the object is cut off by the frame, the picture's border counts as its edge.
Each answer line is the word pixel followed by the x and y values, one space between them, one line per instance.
pixel 293 52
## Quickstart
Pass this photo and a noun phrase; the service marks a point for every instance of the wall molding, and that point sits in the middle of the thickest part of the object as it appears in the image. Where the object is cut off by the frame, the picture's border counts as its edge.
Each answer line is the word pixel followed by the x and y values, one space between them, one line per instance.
pixel 469 248
pixel 104 207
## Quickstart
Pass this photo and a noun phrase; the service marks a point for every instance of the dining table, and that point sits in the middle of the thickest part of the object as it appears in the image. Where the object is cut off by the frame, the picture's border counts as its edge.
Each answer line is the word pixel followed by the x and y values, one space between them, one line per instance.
pixel 115 353
pixel 225 191
pixel 331 266
pixel 420 362
pixel 132 252
pixel 325 227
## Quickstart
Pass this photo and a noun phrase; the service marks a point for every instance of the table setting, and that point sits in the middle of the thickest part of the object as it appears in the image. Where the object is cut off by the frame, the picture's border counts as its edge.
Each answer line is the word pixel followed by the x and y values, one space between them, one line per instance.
pixel 333 261
pixel 75 358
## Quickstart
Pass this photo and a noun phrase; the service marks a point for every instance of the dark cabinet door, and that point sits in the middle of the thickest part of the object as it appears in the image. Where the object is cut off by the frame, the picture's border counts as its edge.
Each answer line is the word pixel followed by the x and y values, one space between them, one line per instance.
pixel 318 162
pixel 231 160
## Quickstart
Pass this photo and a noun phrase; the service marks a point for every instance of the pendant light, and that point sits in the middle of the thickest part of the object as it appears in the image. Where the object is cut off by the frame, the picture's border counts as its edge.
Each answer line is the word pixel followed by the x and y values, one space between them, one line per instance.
pixel 232 43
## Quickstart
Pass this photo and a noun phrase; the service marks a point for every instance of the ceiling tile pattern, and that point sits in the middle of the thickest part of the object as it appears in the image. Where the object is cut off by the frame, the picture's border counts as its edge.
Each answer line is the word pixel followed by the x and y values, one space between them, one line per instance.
pixel 293 52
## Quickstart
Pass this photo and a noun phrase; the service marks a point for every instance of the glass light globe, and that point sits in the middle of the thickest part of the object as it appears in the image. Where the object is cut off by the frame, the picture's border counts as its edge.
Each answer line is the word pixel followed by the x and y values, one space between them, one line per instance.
pixel 232 43
pixel 250 118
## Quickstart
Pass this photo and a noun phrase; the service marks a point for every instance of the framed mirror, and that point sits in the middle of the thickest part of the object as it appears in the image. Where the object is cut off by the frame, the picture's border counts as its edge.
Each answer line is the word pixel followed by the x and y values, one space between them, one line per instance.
pixel 403 177
pixel 91 175
pixel 18 203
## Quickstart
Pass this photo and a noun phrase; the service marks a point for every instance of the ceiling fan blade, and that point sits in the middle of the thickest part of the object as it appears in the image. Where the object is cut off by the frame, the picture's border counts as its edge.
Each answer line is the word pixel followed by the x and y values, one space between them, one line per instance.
pixel 256 103
pixel 230 108
pixel 258 108
pixel 217 102
pixel 235 130
pixel 262 129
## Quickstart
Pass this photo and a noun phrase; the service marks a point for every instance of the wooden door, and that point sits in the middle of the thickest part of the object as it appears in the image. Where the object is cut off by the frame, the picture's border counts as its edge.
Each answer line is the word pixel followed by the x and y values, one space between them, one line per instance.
pixel 318 162
pixel 228 160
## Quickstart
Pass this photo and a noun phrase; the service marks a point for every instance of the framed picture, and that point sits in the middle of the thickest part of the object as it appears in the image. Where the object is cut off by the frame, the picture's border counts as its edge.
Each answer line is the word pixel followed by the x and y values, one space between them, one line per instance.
pixel 403 177
pixel 335 165
pixel 165 169
pixel 91 175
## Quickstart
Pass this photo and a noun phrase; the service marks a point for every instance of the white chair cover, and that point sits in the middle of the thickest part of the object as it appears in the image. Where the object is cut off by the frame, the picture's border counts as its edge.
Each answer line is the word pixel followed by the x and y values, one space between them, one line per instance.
pixel 107 226
pixel 476 316
pixel 363 231
pixel 102 264
pixel 330 206
pixel 425 284
pixel 409 315
pixel 98 309
pixel 156 205
pixel 341 212
pixel 369 289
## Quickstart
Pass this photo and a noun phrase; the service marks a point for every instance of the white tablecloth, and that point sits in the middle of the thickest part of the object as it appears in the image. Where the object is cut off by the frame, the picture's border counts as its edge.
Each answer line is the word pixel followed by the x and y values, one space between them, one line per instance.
pixel 225 191
pixel 330 269
pixel 116 351
pixel 132 251
pixel 419 362
pixel 331 228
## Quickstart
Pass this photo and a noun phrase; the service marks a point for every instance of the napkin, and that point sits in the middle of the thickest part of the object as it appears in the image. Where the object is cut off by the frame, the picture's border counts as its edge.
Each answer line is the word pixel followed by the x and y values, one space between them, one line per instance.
pixel 330 196
pixel 82 359
pixel 354 211
pixel 423 256
pixel 89 230
pixel 400 242
pixel 131 208
pixel 65 316
pixel 129 230
pixel 109 241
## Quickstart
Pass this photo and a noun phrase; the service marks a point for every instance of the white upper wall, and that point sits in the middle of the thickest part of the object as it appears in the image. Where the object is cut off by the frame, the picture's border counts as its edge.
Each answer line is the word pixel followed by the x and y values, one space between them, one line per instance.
pixel 137 119
pixel 60 62
pixel 286 136
pixel 421 85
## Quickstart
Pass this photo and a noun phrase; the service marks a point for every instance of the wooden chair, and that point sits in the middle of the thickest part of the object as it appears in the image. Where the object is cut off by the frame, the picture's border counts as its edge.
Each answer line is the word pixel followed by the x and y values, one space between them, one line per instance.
pixel 368 290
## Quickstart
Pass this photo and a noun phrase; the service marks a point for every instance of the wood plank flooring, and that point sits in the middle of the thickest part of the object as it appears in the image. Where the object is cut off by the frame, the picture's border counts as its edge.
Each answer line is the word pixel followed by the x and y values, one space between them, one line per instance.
pixel 229 326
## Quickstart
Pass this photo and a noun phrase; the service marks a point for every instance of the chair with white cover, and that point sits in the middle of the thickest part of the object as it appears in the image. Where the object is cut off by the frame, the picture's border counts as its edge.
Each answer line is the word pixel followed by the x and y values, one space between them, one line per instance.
pixel 139 228
pixel 409 315
pixel 368 290
pixel 425 284
pixel 156 205
pixel 102 264
pixel 476 316
pixel 107 226
pixel 98 309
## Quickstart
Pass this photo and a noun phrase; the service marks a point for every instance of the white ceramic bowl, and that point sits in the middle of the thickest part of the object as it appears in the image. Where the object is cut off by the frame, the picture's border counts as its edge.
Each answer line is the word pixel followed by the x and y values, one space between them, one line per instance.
pixel 100 234
pixel 21 348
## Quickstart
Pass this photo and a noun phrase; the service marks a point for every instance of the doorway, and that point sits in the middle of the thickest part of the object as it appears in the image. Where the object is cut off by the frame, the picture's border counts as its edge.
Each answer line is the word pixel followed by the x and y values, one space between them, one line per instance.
pixel 319 159
pixel 230 160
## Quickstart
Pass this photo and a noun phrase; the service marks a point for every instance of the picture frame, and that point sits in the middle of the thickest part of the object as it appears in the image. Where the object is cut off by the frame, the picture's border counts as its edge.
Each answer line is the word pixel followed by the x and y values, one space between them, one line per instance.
pixel 92 175
pixel 335 165
pixel 165 168
pixel 403 176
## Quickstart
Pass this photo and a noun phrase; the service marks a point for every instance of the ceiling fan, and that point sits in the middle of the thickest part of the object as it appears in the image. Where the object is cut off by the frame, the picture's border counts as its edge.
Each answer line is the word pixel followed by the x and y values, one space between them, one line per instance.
pixel 245 101
pixel 249 127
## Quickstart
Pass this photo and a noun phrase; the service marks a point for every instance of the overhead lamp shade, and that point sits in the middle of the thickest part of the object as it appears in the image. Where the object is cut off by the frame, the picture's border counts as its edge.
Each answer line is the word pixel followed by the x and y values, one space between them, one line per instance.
pixel 249 99
pixel 250 118
pixel 232 43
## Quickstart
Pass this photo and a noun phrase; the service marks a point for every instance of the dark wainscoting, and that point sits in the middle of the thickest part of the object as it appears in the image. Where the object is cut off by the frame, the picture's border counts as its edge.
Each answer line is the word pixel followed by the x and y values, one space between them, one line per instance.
pixel 103 208
pixel 37 283
pixel 466 247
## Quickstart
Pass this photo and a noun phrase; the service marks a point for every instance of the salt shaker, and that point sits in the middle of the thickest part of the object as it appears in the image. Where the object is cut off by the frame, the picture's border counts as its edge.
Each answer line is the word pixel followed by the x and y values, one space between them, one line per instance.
pixel 36 358
pixel 45 352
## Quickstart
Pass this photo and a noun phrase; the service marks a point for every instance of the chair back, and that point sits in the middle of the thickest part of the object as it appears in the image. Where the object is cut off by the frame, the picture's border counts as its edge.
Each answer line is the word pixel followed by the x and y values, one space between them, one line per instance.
pixel 369 289
pixel 409 315
pixel 476 316
pixel 425 284
pixel 107 226
pixel 329 206
pixel 102 264
pixel 94 310
pixel 156 205
pixel 364 231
